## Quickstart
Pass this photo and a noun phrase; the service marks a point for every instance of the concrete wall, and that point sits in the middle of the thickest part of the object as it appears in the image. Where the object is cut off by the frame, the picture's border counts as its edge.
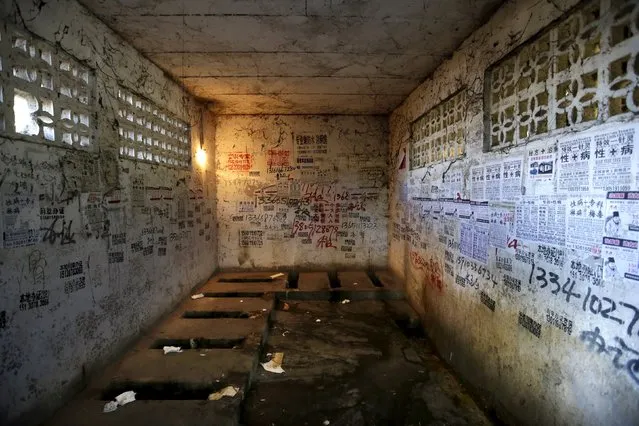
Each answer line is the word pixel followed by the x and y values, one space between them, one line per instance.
pixel 111 253
pixel 538 351
pixel 308 191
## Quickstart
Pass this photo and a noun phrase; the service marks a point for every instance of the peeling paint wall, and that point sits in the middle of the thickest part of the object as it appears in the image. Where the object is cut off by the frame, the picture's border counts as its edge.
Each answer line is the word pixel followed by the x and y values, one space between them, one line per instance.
pixel 515 291
pixel 303 191
pixel 95 246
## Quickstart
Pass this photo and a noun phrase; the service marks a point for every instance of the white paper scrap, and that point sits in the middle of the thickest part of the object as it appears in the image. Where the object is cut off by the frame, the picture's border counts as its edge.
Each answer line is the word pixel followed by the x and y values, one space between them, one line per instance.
pixel 197 296
pixel 110 406
pixel 125 397
pixel 279 274
pixel 227 391
pixel 171 349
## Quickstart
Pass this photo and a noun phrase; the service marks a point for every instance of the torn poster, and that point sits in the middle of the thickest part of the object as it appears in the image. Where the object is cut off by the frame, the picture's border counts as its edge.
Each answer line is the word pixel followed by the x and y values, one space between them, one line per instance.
pixel 20 220
pixel 584 221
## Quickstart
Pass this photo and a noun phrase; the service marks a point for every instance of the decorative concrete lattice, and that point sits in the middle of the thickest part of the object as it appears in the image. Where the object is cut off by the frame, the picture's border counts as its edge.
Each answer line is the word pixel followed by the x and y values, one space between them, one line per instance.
pixel 149 133
pixel 438 134
pixel 45 95
pixel 580 71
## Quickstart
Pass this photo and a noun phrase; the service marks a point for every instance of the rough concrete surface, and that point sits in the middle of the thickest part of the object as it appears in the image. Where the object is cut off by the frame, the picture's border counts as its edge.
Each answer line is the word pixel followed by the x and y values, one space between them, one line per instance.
pixel 296 56
pixel 349 364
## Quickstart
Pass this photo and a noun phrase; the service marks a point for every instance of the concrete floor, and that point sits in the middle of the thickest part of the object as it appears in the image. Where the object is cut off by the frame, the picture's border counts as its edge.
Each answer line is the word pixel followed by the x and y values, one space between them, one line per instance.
pixel 358 363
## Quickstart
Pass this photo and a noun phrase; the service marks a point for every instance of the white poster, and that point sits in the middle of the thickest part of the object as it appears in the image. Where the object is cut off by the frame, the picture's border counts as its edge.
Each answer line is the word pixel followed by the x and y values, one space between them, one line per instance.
pixel 481 232
pixel 493 182
pixel 466 239
pixel 614 159
pixel 477 183
pixel 20 220
pixel 453 184
pixel 542 218
pixel 584 222
pixel 598 161
pixel 573 168
pixel 621 260
pixel 541 165
pixel 622 215
pixel 502 225
pixel 511 180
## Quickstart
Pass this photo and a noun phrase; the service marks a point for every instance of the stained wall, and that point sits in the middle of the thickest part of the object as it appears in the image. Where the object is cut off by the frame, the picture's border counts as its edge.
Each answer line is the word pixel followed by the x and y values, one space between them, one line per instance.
pixel 303 191
pixel 500 235
pixel 97 242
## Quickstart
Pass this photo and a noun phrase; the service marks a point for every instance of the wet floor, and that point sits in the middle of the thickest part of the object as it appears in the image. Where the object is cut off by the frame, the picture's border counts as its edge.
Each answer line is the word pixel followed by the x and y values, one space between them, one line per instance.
pixel 352 364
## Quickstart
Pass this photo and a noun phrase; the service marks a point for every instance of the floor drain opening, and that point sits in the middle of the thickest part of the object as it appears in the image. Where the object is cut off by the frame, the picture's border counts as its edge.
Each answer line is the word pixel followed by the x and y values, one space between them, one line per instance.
pixel 334 280
pixel 293 279
pixel 246 280
pixel 199 343
pixel 235 294
pixel 410 328
pixel 374 278
pixel 161 391
pixel 216 314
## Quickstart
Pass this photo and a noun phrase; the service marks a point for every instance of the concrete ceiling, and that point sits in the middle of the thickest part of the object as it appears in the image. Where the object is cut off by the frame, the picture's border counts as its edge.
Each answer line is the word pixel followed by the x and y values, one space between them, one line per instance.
pixel 296 56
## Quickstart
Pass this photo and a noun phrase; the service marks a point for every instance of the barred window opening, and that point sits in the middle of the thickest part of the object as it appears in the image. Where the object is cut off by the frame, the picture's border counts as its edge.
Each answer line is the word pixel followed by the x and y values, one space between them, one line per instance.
pixel 46 95
pixel 576 73
pixel 438 135
pixel 149 133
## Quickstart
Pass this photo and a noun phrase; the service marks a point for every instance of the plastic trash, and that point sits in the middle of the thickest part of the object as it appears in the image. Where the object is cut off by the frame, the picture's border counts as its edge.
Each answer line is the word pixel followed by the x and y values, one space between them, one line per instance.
pixel 326 422
pixel 345 301
pixel 110 406
pixel 275 364
pixel 318 320
pixel 197 296
pixel 171 349
pixel 125 397
pixel 227 391
pixel 279 274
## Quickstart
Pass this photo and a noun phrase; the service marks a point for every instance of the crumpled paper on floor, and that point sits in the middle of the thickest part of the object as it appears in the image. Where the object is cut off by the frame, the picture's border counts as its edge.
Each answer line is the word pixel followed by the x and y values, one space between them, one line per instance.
pixel 122 399
pixel 275 364
pixel 227 391
pixel 171 349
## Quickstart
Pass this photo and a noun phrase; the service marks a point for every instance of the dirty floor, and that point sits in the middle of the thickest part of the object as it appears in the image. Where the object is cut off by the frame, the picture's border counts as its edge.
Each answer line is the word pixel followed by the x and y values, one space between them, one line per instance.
pixel 353 354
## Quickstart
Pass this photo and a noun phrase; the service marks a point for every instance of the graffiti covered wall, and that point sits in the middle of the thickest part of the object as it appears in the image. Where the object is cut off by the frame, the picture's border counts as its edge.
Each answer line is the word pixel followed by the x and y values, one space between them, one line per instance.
pixel 309 191
pixel 105 223
pixel 514 212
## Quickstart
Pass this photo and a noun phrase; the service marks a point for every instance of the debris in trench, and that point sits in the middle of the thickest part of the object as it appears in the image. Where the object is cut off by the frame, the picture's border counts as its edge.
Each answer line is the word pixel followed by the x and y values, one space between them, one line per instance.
pixel 286 307
pixel 227 391
pixel 122 399
pixel 192 343
pixel 275 364
pixel 326 422
pixel 197 296
pixel 171 349
pixel 318 320
pixel 279 274
pixel 354 283
pixel 284 334
pixel 110 406
pixel 345 301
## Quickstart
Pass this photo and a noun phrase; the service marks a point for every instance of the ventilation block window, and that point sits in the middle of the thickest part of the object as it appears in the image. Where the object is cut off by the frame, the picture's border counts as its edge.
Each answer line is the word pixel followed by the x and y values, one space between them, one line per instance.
pixel 45 95
pixel 580 71
pixel 151 134
pixel 438 134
